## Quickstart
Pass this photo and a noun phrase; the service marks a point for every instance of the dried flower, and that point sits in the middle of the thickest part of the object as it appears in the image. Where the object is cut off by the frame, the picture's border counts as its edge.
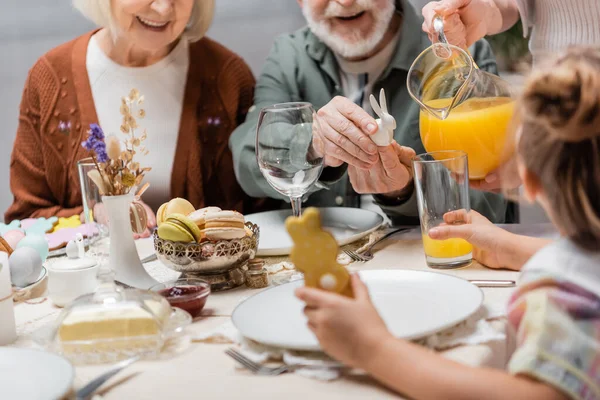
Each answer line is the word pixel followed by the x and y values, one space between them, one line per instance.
pixel 113 147
pixel 95 143
pixel 134 95
pixel 128 179
pixel 116 171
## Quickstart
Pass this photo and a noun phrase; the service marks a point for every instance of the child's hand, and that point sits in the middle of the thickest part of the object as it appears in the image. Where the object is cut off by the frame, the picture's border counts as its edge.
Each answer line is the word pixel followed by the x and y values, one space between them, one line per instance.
pixel 348 329
pixel 490 242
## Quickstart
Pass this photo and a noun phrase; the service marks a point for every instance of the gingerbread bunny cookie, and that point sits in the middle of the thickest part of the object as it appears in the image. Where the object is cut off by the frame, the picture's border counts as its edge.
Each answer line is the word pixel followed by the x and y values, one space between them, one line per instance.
pixel 315 254
pixel 385 123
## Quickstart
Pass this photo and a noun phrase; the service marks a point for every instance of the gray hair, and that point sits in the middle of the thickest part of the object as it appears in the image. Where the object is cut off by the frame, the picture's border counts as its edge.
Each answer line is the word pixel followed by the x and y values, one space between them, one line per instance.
pixel 99 12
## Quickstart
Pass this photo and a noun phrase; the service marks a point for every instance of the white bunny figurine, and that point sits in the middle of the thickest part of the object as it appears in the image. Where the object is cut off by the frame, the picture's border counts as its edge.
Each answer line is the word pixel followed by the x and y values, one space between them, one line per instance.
pixel 385 123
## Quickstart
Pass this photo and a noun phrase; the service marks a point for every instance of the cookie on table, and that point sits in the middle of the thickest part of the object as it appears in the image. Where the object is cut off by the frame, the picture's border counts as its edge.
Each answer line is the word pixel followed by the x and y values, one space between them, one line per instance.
pixel 315 254
pixel 14 225
pixel 67 222
pixel 38 226
pixel 59 239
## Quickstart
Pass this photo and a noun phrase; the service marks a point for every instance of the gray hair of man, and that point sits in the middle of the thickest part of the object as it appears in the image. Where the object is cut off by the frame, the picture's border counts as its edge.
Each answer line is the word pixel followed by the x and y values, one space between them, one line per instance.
pixel 99 12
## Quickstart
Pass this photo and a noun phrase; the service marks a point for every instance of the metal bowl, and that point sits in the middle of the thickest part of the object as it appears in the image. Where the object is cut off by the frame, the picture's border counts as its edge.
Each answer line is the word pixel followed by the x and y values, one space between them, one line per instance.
pixel 209 256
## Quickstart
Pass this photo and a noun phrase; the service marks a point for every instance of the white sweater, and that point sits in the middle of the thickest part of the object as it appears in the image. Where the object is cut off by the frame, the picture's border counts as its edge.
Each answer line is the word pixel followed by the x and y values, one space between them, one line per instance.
pixel 162 85
pixel 557 24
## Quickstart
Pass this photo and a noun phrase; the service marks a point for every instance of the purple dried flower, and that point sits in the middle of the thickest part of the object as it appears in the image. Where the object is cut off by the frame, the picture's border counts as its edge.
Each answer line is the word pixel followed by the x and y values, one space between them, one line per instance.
pixel 96 132
pixel 95 143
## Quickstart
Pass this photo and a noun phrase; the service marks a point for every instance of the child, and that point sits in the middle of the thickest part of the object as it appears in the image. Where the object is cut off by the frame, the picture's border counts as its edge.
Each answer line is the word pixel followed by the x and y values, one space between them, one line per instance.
pixel 556 308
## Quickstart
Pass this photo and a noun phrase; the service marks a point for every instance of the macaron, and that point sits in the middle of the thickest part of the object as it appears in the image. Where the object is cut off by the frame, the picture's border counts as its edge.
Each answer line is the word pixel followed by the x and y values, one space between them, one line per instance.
pixel 179 228
pixel 224 225
pixel 175 206
pixel 199 216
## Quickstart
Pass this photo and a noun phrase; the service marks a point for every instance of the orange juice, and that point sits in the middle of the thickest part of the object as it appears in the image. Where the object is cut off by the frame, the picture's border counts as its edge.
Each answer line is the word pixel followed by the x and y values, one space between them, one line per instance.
pixel 448 248
pixel 478 127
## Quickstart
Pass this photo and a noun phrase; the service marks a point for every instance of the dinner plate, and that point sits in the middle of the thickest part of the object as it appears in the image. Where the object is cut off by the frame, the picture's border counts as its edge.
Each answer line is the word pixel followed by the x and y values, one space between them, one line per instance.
pixel 346 224
pixel 413 304
pixel 27 374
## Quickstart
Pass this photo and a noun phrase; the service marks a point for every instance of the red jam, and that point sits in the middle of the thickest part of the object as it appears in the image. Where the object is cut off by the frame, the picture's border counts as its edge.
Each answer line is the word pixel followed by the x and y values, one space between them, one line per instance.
pixel 189 298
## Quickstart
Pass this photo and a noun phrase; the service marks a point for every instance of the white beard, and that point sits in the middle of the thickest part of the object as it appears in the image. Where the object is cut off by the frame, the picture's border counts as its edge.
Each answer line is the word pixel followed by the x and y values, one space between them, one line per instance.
pixel 357 46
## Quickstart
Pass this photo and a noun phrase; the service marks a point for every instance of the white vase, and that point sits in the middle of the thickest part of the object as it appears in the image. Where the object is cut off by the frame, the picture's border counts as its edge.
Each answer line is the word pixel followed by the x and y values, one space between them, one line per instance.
pixel 123 257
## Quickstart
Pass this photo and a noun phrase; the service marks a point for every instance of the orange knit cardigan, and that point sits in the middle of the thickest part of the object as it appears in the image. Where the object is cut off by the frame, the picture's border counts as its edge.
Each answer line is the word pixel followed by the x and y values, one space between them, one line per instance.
pixel 43 170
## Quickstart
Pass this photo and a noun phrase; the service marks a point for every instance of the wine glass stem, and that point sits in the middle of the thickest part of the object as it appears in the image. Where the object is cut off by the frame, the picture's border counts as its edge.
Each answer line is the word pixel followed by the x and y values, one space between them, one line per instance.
pixel 296 205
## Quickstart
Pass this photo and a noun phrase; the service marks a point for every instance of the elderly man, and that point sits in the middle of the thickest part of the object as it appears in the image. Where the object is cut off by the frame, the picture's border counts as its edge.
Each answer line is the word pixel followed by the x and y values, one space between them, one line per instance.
pixel 350 49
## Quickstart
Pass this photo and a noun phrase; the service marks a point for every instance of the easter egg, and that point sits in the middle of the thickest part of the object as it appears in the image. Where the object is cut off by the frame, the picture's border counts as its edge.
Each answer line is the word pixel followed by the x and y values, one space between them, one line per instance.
pixel 36 242
pixel 25 266
pixel 138 217
pixel 13 238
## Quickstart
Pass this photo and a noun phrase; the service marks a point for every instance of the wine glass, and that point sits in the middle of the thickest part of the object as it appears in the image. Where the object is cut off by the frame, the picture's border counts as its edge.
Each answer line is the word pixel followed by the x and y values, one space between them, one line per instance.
pixel 285 152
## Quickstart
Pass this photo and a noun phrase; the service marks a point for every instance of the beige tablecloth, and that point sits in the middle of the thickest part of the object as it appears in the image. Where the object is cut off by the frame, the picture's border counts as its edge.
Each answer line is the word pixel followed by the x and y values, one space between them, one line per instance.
pixel 203 371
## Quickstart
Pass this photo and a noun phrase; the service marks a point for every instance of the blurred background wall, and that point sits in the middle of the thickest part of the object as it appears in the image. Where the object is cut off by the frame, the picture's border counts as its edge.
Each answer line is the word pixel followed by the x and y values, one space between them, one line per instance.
pixel 29 28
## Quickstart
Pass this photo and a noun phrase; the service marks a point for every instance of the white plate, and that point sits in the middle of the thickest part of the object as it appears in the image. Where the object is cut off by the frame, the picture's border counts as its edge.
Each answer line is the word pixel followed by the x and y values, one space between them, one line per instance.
pixel 27 374
pixel 413 304
pixel 346 224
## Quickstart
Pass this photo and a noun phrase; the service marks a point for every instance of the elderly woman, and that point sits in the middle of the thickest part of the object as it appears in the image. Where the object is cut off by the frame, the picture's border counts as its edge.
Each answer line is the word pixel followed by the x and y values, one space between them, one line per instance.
pixel 196 92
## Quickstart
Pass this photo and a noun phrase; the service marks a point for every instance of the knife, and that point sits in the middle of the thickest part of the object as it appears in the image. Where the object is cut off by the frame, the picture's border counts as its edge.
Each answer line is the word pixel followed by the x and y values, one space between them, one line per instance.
pixel 492 283
pixel 88 390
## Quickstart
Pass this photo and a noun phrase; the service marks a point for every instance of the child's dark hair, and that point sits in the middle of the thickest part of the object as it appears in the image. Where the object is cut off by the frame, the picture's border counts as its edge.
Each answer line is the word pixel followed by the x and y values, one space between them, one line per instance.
pixel 560 141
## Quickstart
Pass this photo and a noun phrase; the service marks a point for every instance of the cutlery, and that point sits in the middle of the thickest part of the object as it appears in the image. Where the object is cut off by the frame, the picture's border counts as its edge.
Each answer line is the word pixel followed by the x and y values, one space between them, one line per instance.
pixel 260 369
pixel 151 257
pixel 88 390
pixel 126 286
pixel 492 283
pixel 367 255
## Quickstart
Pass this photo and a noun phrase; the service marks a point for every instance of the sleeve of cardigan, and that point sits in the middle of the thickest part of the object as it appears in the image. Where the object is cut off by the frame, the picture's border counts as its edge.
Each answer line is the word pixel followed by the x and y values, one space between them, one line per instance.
pixel 32 196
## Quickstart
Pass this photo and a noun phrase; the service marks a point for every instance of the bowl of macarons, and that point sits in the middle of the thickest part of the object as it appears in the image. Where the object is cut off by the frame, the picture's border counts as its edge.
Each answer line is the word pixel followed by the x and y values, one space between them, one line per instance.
pixel 205 240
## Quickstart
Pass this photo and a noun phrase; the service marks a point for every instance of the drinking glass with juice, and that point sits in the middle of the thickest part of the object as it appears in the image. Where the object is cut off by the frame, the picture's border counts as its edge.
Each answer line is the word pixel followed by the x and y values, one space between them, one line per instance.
pixel 442 187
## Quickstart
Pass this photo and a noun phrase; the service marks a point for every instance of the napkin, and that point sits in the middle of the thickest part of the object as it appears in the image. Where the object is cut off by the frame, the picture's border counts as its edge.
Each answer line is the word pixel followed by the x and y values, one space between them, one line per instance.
pixel 473 331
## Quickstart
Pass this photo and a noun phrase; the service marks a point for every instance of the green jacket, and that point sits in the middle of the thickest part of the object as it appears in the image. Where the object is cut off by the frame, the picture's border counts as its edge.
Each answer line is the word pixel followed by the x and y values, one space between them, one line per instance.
pixel 301 68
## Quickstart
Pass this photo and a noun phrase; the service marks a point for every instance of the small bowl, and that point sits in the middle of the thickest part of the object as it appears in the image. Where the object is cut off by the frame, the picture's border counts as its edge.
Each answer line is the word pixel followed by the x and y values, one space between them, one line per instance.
pixel 189 294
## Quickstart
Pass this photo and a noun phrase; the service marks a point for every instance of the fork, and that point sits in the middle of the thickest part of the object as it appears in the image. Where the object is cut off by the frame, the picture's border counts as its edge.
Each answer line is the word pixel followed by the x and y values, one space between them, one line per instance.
pixel 367 255
pixel 260 369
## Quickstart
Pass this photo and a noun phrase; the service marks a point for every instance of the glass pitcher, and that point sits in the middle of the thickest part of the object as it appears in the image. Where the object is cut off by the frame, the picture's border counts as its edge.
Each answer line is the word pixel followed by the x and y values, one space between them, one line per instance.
pixel 462 107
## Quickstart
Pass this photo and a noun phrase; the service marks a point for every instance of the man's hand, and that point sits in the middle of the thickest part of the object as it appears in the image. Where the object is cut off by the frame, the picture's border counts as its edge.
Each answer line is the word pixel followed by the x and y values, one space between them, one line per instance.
pixel 343 135
pixel 389 176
